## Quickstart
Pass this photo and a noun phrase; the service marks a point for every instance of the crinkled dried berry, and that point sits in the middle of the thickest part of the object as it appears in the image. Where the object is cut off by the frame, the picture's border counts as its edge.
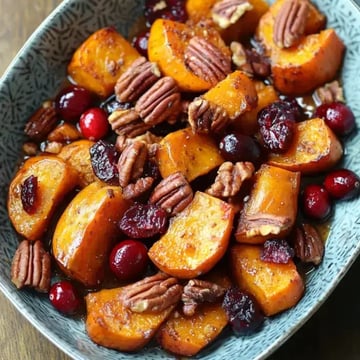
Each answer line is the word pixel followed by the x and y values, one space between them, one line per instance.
pixel 142 221
pixel 29 194
pixel 104 157
pixel 277 251
pixel 166 9
pixel 111 104
pixel 242 310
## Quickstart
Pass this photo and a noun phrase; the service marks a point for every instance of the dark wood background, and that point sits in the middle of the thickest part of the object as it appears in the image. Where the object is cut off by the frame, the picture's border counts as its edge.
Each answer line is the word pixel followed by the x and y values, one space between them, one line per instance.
pixel 332 334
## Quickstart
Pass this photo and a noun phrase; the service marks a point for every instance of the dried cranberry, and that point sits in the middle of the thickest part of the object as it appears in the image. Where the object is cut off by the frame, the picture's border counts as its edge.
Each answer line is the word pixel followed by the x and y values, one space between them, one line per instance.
pixel 111 104
pixel 142 221
pixel 316 202
pixel 151 169
pixel 128 259
pixel 140 42
pixel 338 117
pixel 342 184
pixel 93 123
pixel 243 311
pixel 166 9
pixel 104 157
pixel 64 297
pixel 277 251
pixel 29 194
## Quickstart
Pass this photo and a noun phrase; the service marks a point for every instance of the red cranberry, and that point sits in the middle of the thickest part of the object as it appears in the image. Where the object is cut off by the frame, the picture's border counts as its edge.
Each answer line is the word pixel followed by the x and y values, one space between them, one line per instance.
pixel 64 298
pixel 338 117
pixel 72 102
pixel 128 259
pixel 94 124
pixel 316 202
pixel 29 194
pixel 140 42
pixel 342 184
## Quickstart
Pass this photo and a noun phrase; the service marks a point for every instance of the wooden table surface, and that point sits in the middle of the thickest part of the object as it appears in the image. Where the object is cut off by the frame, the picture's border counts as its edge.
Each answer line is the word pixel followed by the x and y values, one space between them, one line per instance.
pixel 332 334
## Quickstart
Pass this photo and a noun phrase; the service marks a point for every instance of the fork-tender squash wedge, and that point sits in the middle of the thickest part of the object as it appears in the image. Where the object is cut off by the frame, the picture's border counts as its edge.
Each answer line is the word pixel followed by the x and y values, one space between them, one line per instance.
pixel 55 179
pixel 315 148
pixel 272 206
pixel 196 239
pixel 109 323
pixel 276 287
pixel 100 60
pixel 86 231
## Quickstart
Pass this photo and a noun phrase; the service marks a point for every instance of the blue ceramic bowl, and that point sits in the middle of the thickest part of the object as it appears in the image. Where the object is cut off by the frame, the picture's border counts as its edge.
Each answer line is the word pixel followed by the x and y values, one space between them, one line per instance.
pixel 36 74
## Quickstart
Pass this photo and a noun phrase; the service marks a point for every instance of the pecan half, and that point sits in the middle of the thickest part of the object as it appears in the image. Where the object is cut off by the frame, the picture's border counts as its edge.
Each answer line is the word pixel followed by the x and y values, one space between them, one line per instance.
pixel 205 117
pixel 173 193
pixel 199 291
pixel 160 102
pixel 230 178
pixel 149 139
pixel 31 266
pixel 127 122
pixel 308 244
pixel 228 12
pixel 41 122
pixel 289 25
pixel 152 294
pixel 206 60
pixel 330 92
pixel 136 80
pixel 131 162
pixel 140 187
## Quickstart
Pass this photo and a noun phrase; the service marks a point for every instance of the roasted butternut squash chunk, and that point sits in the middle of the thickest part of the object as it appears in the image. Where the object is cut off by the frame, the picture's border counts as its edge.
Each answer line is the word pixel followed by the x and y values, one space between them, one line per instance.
pixel 196 239
pixel 55 179
pixel 272 207
pixel 100 60
pixel 109 323
pixel 86 231
pixel 276 287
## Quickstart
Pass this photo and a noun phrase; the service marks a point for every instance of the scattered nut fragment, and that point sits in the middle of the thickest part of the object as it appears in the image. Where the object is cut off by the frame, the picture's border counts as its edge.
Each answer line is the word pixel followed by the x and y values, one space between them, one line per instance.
pixel 206 61
pixel 173 193
pixel 30 148
pixel 329 93
pixel 308 245
pixel 289 25
pixel 227 12
pixel 64 133
pixel 152 294
pixel 31 266
pixel 205 117
pixel 230 178
pixel 53 147
pixel 41 122
pixel 136 80
pixel 199 291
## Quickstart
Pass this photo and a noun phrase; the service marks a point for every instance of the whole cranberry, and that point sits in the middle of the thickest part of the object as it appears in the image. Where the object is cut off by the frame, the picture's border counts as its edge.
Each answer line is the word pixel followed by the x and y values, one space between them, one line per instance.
pixel 342 184
pixel 338 117
pixel 128 259
pixel 64 297
pixel 316 202
pixel 94 124
pixel 140 42
pixel 72 102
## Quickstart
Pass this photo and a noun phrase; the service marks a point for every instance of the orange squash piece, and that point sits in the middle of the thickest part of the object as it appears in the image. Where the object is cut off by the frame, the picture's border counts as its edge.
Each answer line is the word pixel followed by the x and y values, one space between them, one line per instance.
pixel 315 148
pixel 192 154
pixel 166 47
pixel 100 60
pixel 272 207
pixel 196 239
pixel 55 179
pixel 109 323
pixel 276 287
pixel 86 231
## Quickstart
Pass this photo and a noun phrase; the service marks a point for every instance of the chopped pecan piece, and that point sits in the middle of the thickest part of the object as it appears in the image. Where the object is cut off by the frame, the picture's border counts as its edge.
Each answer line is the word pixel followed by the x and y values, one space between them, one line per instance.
pixel 289 25
pixel 131 162
pixel 160 102
pixel 152 294
pixel 199 291
pixel 173 193
pixel 308 245
pixel 228 12
pixel 149 139
pixel 205 117
pixel 53 147
pixel 63 133
pixel 41 122
pixel 230 178
pixel 135 190
pixel 331 92
pixel 31 266
pixel 30 148
pixel 207 61
pixel 136 80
